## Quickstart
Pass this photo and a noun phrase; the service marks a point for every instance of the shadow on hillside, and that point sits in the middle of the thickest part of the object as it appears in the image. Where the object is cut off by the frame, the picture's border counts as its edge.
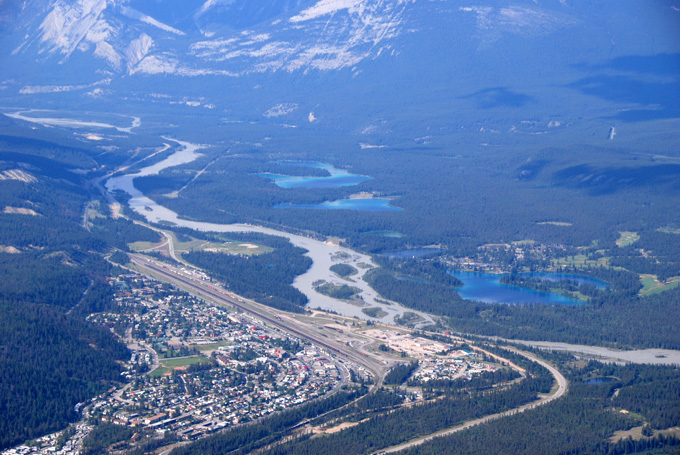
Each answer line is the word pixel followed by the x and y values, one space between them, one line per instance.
pixel 606 180
pixel 490 98
pixel 652 83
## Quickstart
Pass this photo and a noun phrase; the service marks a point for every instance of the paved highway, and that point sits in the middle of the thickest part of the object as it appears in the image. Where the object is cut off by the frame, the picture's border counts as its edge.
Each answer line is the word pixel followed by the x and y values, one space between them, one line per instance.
pixel 562 386
pixel 287 323
pixel 273 317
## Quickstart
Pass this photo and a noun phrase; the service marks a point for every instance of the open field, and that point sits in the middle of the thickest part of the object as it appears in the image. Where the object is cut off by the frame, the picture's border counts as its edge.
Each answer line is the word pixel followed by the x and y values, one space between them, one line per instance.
pixel 581 260
pixel 193 244
pixel 144 246
pixel 651 284
pixel 210 346
pixel 228 247
pixel 167 366
pixel 668 230
pixel 627 238
pixel 636 433
pixel 93 210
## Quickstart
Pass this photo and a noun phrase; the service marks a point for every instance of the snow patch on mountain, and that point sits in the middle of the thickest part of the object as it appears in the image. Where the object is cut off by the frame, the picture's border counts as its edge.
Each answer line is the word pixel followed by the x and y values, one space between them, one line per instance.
pixel 105 51
pixel 98 26
pixel 353 33
pixel 281 109
pixel 33 89
pixel 155 64
pixel 493 23
pixel 167 64
pixel 134 14
pixel 325 7
pixel 137 50
pixel 69 23
pixel 330 35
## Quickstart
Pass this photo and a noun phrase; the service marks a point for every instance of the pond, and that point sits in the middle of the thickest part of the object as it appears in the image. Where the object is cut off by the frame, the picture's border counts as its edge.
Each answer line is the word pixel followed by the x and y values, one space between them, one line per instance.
pixel 601 380
pixel 365 205
pixel 389 234
pixel 486 287
pixel 337 177
pixel 411 253
pixel 321 252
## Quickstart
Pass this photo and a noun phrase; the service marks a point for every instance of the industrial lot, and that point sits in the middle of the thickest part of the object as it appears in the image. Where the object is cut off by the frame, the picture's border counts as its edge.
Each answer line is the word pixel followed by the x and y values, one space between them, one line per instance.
pixel 197 367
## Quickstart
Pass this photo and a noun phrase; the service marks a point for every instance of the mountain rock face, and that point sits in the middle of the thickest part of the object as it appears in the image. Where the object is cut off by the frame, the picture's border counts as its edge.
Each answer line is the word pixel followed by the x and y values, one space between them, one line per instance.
pixel 361 66
pixel 230 38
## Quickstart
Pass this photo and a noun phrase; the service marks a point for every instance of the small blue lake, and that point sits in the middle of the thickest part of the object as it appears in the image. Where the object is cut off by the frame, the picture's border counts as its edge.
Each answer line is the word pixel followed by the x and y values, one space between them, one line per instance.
pixel 601 380
pixel 411 253
pixel 365 205
pixel 389 234
pixel 337 177
pixel 486 287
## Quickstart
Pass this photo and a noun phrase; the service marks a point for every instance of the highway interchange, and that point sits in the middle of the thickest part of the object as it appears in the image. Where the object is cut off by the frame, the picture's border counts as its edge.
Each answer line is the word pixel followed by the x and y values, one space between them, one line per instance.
pixel 335 343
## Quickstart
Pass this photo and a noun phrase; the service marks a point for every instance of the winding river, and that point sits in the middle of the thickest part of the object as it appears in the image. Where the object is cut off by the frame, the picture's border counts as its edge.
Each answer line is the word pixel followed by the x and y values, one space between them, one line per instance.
pixel 323 254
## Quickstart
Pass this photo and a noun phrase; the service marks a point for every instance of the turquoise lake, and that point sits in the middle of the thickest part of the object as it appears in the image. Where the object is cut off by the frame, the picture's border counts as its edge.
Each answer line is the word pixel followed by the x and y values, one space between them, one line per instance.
pixel 486 287
pixel 389 234
pixel 601 380
pixel 337 177
pixel 365 205
pixel 411 253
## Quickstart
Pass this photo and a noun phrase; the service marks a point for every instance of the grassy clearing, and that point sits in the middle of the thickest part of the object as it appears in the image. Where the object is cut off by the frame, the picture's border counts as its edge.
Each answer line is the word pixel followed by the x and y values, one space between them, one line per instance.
pixel 651 285
pixel 581 260
pixel 227 247
pixel 142 246
pixel 627 238
pixel 211 346
pixel 183 361
pixel 93 212
pixel 668 230
pixel 167 366
pixel 160 371
pixel 635 433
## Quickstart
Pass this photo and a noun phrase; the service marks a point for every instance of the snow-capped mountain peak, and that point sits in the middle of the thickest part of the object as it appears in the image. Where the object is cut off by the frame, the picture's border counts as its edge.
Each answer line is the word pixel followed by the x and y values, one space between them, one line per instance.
pixel 322 35
pixel 68 24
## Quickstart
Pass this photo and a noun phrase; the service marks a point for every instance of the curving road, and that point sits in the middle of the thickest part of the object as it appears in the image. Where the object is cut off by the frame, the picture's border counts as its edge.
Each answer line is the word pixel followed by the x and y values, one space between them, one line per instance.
pixel 290 325
pixel 562 386
pixel 271 316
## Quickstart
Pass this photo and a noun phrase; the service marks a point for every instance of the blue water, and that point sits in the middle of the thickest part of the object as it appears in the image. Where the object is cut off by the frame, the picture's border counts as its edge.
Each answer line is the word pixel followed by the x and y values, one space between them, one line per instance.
pixel 555 277
pixel 365 205
pixel 337 177
pixel 390 234
pixel 601 380
pixel 412 253
pixel 486 287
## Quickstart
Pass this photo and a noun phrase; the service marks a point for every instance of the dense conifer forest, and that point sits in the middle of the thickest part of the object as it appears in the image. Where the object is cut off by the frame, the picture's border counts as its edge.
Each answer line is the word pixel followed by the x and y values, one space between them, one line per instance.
pixel 52 275
pixel 267 277
pixel 52 271
pixel 496 197
pixel 586 419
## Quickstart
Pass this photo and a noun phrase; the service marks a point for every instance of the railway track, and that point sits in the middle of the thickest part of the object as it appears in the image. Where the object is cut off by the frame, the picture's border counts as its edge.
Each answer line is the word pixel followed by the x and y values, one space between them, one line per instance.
pixel 264 313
